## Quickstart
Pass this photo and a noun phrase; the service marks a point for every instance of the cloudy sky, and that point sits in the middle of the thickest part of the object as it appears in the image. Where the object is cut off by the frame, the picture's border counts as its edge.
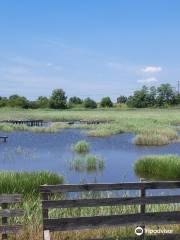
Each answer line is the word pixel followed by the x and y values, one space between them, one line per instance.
pixel 89 48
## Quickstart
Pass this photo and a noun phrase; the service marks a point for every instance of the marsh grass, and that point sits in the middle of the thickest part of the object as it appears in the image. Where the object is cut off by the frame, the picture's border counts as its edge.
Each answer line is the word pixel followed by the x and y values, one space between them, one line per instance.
pixel 26 183
pixel 158 167
pixel 81 147
pixel 87 163
pixel 152 126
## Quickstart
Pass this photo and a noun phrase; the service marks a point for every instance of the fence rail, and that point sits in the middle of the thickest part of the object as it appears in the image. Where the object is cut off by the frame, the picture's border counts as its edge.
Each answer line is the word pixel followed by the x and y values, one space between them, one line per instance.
pixel 140 218
pixel 5 214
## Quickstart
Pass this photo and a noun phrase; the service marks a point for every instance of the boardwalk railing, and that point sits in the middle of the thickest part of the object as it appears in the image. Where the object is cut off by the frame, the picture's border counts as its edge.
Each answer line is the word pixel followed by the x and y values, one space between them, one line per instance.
pixel 29 123
pixel 4 138
pixel 6 214
pixel 138 219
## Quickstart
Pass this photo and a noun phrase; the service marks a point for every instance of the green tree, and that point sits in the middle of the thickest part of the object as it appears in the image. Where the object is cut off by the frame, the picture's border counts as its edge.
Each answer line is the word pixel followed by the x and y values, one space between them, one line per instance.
pixel 75 100
pixel 106 102
pixel 17 101
pixel 166 95
pixel 121 99
pixel 89 103
pixel 42 102
pixel 3 101
pixel 58 99
pixel 140 99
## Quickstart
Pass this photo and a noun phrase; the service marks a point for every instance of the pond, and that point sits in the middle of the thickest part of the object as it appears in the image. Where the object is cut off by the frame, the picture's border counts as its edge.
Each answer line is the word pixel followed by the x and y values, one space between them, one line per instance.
pixel 26 151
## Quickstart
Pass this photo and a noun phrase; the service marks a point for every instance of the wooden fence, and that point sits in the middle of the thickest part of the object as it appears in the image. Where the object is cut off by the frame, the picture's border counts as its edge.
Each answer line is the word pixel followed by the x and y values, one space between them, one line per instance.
pixel 6 214
pixel 141 218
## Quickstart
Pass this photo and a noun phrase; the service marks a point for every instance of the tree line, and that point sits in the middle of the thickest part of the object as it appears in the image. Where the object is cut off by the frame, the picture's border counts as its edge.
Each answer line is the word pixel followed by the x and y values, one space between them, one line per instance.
pixel 162 96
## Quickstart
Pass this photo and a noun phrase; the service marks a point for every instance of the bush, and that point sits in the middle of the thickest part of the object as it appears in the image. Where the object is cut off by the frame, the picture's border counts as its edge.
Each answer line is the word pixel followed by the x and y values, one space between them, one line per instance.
pixel 122 99
pixel 106 102
pixel 89 103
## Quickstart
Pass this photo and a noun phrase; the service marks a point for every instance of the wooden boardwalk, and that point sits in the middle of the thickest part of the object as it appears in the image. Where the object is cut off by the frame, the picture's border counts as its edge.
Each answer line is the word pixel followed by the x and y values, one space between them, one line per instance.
pixel 29 123
pixel 4 138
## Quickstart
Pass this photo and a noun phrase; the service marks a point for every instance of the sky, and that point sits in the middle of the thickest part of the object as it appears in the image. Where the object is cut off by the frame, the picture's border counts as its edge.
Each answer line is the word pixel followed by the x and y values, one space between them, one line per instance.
pixel 90 48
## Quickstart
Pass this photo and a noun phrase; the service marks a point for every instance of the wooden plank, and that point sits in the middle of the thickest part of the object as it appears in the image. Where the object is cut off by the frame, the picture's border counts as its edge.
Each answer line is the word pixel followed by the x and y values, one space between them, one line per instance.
pixel 109 186
pixel 4 221
pixel 110 201
pixel 77 223
pixel 10 229
pixel 10 198
pixel 11 212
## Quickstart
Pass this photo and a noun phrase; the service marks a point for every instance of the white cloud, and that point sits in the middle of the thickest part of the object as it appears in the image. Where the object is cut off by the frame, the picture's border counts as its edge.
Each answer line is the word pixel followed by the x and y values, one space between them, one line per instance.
pixel 151 69
pixel 147 80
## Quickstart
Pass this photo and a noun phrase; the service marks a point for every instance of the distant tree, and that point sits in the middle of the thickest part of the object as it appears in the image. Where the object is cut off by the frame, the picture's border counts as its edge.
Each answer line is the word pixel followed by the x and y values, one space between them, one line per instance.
pixel 33 105
pixel 17 101
pixel 58 99
pixel 75 100
pixel 3 101
pixel 106 102
pixel 140 98
pixel 121 99
pixel 89 103
pixel 166 95
pixel 42 102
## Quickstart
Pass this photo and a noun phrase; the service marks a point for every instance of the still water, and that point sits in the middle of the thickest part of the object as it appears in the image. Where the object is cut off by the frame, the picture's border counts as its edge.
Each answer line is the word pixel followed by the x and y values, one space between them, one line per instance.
pixel 26 151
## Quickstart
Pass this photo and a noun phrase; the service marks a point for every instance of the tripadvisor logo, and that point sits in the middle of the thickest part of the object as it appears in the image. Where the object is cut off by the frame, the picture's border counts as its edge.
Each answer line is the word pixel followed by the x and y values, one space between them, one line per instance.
pixel 139 231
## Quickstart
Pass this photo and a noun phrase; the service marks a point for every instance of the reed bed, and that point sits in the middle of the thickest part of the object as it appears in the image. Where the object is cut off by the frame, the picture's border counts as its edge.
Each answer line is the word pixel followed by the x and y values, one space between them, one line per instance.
pixel 87 163
pixel 158 167
pixel 81 147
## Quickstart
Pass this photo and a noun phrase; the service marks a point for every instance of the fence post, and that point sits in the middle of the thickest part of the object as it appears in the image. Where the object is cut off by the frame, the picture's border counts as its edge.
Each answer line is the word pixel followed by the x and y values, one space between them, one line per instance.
pixel 143 206
pixel 4 221
pixel 45 214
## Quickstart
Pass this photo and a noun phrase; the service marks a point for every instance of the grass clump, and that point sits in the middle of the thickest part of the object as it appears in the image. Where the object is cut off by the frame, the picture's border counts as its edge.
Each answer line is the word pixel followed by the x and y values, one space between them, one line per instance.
pixel 26 183
pixel 88 163
pixel 156 137
pixel 81 147
pixel 158 167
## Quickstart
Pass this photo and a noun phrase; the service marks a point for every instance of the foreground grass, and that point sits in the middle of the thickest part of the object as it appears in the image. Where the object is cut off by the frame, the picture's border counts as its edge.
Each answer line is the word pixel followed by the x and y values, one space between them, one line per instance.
pixel 151 126
pixel 26 183
pixel 158 167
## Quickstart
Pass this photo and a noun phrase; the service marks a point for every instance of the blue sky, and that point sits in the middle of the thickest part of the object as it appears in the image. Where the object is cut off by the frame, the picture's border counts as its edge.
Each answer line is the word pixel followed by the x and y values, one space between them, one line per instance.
pixel 89 48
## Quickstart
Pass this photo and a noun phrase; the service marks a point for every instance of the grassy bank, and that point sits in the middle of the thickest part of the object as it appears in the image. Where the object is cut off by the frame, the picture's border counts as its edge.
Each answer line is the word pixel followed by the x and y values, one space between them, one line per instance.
pixel 151 126
pixel 158 167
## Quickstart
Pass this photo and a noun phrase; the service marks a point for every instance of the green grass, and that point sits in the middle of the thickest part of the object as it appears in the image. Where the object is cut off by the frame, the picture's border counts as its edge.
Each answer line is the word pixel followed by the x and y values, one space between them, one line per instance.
pixel 87 163
pixel 26 183
pixel 81 147
pixel 158 167
pixel 151 126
